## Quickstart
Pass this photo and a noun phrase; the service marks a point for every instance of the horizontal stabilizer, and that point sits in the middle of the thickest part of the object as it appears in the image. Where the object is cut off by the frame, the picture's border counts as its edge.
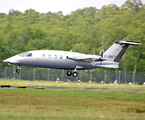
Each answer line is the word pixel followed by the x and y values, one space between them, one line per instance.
pixel 127 42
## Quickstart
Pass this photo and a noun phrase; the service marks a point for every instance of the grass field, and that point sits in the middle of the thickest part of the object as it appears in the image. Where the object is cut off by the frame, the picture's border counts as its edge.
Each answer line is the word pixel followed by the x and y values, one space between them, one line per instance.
pixel 32 104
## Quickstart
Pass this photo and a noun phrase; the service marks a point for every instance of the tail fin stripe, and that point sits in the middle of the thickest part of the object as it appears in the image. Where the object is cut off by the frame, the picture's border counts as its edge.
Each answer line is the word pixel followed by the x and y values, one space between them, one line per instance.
pixel 119 56
pixel 117 50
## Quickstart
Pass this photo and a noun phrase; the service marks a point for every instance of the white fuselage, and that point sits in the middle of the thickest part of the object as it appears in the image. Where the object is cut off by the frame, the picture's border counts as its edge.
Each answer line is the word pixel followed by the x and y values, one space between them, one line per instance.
pixel 72 60
pixel 56 59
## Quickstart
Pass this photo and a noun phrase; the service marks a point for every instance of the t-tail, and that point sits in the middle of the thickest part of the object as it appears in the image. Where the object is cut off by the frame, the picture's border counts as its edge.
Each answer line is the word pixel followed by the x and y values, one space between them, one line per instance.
pixel 117 50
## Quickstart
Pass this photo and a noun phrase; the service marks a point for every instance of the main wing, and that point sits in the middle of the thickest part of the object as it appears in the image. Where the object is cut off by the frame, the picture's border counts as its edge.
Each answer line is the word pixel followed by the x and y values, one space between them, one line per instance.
pixel 87 58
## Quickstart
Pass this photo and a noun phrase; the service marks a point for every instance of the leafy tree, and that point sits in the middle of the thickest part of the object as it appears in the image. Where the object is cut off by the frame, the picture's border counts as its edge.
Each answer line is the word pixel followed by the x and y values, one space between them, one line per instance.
pixel 87 30
pixel 132 5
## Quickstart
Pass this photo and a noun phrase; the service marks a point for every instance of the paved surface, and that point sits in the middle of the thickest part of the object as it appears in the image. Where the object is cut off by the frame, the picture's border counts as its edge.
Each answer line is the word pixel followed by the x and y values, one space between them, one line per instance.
pixel 79 88
pixel 31 87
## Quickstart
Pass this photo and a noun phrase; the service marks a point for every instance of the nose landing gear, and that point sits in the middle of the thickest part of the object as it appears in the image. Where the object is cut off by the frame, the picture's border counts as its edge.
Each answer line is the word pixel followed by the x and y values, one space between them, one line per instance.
pixel 18 70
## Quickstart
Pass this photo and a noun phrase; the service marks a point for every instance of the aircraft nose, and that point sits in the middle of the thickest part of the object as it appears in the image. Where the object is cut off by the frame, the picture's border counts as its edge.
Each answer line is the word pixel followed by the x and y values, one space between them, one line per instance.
pixel 11 60
pixel 6 61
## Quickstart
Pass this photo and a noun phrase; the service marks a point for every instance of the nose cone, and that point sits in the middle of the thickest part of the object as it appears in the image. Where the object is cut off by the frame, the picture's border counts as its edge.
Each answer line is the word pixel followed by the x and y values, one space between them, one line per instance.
pixel 12 60
pixel 6 61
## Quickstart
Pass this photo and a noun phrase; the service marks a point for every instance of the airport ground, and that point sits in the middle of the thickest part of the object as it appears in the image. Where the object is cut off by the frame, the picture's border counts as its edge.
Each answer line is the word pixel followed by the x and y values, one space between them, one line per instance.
pixel 116 102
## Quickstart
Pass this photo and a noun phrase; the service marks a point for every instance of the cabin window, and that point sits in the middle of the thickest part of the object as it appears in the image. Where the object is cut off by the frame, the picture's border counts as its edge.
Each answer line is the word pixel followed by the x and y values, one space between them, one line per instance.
pixel 61 56
pixel 43 55
pixel 49 56
pixel 55 56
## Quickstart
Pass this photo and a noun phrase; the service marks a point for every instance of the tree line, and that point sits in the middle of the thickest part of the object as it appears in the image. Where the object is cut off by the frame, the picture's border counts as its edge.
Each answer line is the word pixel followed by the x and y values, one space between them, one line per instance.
pixel 87 30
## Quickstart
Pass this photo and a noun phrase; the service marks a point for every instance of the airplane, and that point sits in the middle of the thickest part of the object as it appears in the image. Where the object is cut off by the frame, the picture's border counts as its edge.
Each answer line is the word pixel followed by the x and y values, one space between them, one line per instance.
pixel 69 60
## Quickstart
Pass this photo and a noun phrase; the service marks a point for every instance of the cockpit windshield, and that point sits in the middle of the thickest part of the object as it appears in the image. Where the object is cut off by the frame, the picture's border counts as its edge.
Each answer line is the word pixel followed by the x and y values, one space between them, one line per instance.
pixel 25 54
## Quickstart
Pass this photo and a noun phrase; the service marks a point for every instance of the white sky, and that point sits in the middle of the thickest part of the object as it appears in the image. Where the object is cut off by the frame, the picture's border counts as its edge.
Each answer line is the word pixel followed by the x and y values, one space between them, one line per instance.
pixel 44 6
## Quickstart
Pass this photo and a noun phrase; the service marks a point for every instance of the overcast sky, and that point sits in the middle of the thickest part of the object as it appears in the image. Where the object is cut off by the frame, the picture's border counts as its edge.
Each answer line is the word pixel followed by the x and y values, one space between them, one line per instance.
pixel 44 6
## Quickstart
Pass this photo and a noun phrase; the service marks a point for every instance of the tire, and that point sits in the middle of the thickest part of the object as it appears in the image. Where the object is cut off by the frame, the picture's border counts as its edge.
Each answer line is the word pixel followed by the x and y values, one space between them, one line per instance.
pixel 69 73
pixel 75 74
pixel 17 70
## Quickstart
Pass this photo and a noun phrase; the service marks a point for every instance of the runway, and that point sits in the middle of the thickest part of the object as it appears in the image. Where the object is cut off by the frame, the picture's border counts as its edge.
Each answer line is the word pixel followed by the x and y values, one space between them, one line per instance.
pixel 61 88
pixel 76 88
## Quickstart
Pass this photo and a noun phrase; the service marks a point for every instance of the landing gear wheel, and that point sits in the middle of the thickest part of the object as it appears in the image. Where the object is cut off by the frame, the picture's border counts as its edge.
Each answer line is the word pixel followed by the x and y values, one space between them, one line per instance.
pixel 74 74
pixel 69 73
pixel 17 70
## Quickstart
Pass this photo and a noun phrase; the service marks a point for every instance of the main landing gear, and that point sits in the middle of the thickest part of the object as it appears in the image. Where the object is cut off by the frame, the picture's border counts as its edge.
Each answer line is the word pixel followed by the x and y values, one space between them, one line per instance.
pixel 74 74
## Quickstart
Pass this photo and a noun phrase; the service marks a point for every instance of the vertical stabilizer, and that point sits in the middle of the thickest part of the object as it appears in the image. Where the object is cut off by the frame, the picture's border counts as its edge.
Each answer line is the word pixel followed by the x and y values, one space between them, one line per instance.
pixel 117 50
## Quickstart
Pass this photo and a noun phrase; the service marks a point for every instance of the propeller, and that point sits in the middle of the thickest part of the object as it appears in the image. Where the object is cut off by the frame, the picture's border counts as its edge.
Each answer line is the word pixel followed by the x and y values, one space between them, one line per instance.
pixel 101 54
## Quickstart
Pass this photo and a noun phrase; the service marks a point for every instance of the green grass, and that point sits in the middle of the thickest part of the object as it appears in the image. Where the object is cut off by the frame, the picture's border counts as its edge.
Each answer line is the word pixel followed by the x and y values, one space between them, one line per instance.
pixel 22 104
pixel 119 102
